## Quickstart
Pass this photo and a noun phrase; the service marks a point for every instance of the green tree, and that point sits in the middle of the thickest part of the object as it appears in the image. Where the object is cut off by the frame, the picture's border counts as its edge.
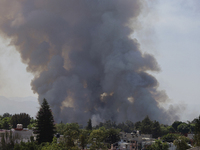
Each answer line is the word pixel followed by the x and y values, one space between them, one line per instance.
pixel 194 121
pixel 32 123
pixel 71 134
pixel 60 128
pixel 123 126
pixel 170 129
pixel 197 132
pixel 112 136
pixel 109 124
pixel 5 123
pixel 97 138
pixel 156 130
pixel 83 138
pixel 158 145
pixel 27 146
pixel 7 115
pixel 45 127
pixel 176 124
pixel 192 127
pixel 146 127
pixel 183 128
pixel 89 125
pixel 21 118
pixel 138 125
pixel 181 143
pixel 170 137
pixel 54 146
pixel 164 130
pixel 130 125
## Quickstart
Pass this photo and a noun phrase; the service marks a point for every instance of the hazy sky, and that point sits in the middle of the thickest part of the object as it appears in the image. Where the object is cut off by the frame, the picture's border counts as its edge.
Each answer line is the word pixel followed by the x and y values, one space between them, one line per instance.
pixel 171 32
pixel 174 36
pixel 14 80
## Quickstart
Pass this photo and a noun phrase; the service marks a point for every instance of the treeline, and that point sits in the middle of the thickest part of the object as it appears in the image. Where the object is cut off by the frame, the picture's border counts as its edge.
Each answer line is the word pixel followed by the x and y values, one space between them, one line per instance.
pixel 147 126
pixel 75 136
pixel 8 121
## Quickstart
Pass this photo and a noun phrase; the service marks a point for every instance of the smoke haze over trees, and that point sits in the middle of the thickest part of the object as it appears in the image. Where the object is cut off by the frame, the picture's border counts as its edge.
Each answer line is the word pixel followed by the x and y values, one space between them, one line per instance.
pixel 84 60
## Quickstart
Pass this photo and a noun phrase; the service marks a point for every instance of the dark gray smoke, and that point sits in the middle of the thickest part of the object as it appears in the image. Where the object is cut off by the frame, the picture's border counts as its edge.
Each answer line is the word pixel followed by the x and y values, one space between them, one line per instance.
pixel 85 63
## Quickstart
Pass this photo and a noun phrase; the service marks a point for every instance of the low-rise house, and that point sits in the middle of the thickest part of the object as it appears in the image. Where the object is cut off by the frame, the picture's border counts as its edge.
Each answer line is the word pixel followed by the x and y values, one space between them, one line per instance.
pixel 18 134
pixel 147 141
pixel 23 135
pixel 134 140
pixel 130 140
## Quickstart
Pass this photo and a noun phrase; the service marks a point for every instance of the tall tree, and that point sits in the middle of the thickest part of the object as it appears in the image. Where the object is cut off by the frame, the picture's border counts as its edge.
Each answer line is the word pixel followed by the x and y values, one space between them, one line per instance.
pixel 45 127
pixel 138 125
pixel 89 126
pixel 156 130
pixel 146 126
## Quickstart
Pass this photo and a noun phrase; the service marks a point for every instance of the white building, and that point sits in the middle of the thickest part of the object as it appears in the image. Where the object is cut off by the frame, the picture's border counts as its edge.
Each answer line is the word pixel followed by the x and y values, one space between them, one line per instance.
pixel 19 134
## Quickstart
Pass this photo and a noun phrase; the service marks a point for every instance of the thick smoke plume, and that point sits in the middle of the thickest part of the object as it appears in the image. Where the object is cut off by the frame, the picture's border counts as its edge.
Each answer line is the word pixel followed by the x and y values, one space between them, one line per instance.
pixel 85 63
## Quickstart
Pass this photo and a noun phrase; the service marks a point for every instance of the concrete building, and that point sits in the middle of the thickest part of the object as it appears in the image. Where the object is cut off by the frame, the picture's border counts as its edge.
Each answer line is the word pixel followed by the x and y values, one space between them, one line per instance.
pixel 130 140
pixel 18 134
pixel 23 135
pixel 134 140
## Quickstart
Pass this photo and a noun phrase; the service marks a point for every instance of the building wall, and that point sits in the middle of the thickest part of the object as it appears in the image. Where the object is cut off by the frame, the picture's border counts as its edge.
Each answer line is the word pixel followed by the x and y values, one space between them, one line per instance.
pixel 18 136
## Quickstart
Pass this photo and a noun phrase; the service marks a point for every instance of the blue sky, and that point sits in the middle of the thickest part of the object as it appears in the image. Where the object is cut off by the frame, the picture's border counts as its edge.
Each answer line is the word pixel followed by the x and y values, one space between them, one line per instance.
pixel 170 31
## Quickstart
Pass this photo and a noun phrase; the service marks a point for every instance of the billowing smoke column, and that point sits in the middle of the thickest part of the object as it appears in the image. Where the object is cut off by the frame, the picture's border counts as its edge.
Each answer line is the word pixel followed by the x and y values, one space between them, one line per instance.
pixel 85 63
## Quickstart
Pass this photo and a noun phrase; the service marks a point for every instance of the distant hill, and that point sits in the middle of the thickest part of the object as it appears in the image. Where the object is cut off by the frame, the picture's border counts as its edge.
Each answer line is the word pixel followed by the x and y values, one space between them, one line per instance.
pixel 15 105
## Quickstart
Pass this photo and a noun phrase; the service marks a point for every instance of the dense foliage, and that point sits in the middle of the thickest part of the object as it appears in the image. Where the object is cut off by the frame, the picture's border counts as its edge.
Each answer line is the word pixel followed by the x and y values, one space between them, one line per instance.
pixel 156 129
pixel 170 137
pixel 21 118
pixel 45 127
pixel 158 145
pixel 104 134
pixel 146 126
pixel 127 126
pixel 5 121
pixel 181 143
